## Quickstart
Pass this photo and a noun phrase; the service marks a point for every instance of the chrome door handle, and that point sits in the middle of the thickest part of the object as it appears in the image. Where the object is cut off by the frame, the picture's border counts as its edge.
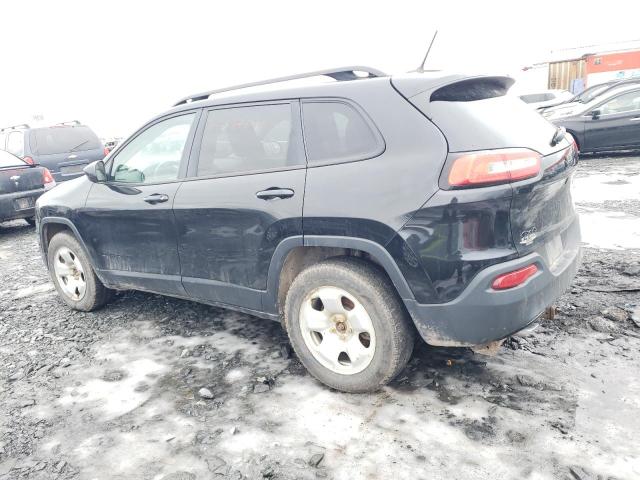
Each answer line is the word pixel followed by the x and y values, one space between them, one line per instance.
pixel 271 193
pixel 156 198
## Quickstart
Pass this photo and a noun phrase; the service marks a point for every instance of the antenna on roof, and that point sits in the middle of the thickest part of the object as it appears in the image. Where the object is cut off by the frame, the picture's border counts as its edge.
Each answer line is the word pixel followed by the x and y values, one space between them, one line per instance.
pixel 420 69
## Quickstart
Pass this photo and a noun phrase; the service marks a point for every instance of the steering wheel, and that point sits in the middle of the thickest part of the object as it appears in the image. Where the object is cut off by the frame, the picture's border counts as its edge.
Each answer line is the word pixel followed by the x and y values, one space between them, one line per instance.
pixel 166 169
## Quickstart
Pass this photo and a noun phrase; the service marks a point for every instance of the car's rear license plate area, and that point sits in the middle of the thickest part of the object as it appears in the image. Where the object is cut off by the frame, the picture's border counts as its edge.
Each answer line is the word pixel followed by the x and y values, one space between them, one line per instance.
pixel 553 250
pixel 72 169
pixel 23 203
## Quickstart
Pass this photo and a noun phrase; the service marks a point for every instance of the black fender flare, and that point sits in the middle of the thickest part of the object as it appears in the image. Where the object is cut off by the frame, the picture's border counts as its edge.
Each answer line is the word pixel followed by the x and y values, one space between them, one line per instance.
pixel 376 250
pixel 74 230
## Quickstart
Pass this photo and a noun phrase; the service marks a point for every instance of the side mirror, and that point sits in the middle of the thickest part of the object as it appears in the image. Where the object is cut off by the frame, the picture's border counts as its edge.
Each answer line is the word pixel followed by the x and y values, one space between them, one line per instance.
pixel 595 114
pixel 96 172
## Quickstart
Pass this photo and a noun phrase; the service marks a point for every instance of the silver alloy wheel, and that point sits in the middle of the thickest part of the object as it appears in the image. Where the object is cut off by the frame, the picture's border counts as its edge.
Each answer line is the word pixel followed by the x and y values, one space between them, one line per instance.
pixel 69 274
pixel 337 330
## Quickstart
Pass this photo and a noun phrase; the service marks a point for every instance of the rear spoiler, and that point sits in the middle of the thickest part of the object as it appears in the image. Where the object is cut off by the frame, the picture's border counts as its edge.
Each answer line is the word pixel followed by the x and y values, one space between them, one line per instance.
pixel 473 89
pixel 452 87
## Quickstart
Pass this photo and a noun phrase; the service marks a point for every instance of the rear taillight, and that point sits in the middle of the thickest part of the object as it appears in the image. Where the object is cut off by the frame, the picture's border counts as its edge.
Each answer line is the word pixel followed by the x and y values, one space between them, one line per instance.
pixel 47 177
pixel 490 167
pixel 28 160
pixel 515 278
pixel 106 151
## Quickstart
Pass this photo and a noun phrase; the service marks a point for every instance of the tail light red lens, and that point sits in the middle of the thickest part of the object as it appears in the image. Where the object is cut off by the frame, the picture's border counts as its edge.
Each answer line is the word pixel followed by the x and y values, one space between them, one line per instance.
pixel 515 278
pixel 29 160
pixel 491 167
pixel 106 151
pixel 47 177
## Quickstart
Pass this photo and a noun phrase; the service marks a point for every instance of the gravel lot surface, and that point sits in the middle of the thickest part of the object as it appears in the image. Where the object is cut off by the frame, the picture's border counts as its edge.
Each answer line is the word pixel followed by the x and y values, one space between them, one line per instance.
pixel 163 389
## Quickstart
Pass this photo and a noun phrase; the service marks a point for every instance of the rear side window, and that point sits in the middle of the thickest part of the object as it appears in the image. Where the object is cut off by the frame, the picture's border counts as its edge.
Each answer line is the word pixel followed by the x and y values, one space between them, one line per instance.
pixel 65 140
pixel 15 143
pixel 335 131
pixel 244 139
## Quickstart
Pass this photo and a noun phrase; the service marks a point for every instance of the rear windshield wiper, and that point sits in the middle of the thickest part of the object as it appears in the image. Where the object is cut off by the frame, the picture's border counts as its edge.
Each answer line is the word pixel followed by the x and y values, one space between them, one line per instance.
pixel 558 136
pixel 79 145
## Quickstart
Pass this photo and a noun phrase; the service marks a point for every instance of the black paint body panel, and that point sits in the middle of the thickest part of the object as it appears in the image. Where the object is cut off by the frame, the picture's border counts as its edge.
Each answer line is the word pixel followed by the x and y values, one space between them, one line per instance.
pixel 216 242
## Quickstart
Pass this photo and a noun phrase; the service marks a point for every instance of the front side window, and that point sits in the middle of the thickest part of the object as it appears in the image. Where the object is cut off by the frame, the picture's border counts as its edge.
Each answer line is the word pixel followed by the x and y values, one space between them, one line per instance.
pixel 622 103
pixel 15 143
pixel 335 131
pixel 244 139
pixel 155 154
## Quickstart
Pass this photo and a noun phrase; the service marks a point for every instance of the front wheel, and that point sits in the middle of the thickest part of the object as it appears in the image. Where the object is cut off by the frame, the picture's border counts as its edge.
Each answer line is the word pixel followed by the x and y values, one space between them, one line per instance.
pixel 73 275
pixel 347 325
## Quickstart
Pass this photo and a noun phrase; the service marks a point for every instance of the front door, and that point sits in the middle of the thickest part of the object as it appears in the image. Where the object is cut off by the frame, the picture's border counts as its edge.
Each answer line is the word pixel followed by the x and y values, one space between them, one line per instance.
pixel 243 195
pixel 617 125
pixel 128 220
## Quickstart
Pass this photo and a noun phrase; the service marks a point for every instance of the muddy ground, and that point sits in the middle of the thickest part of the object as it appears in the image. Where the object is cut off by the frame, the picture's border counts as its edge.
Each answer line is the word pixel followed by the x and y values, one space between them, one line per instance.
pixel 114 394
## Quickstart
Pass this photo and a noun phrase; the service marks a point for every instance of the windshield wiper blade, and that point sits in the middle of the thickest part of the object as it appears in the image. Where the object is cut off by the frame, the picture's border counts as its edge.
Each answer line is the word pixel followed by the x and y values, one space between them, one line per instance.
pixel 79 145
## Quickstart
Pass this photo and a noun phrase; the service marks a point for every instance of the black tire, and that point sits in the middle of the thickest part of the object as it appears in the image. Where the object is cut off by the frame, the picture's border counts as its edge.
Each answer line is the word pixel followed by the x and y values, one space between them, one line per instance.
pixel 31 221
pixel 394 331
pixel 96 294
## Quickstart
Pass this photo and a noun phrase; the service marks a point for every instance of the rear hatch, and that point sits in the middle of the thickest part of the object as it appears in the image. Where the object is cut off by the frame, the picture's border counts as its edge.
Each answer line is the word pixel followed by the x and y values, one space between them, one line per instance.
pixel 65 150
pixel 475 115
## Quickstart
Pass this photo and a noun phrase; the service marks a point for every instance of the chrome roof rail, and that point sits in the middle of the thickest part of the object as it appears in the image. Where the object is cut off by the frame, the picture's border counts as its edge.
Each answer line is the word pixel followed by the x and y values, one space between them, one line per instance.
pixel 14 127
pixel 340 74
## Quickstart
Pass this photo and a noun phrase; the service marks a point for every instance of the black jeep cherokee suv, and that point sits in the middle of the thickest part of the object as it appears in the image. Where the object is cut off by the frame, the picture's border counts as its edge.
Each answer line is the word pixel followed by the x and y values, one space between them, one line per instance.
pixel 357 211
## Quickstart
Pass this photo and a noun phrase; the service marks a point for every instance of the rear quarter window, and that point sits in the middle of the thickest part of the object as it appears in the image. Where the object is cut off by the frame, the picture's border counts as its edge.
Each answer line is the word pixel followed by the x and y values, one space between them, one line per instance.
pixel 336 132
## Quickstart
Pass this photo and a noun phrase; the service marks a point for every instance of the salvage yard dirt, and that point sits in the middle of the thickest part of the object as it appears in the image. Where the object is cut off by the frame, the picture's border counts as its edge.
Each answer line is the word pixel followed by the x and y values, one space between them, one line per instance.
pixel 162 389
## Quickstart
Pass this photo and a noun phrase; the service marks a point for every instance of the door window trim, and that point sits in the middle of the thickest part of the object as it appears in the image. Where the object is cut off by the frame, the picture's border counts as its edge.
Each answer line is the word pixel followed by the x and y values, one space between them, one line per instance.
pixel 296 136
pixel 188 146
pixel 588 114
pixel 380 141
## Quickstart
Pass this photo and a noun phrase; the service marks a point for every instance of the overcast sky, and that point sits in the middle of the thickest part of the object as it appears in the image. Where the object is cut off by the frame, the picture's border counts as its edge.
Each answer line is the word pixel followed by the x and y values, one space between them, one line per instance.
pixel 115 64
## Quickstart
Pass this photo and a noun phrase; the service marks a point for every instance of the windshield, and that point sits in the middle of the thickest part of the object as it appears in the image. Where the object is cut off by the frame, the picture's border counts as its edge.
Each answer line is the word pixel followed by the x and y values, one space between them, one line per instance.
pixel 590 93
pixel 8 160
pixel 65 140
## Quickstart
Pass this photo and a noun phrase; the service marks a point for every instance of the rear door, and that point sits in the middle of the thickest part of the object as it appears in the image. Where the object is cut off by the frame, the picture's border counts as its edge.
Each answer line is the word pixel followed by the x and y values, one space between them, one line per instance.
pixel 243 196
pixel 617 125
pixel 128 220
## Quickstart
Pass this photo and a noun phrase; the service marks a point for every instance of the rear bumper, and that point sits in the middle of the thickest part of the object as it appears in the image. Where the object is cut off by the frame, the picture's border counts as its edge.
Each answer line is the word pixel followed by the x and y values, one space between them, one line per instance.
pixel 481 315
pixel 9 209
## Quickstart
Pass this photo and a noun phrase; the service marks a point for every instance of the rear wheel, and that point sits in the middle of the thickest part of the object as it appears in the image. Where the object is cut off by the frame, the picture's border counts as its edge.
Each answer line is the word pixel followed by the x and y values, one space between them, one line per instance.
pixel 73 276
pixel 347 325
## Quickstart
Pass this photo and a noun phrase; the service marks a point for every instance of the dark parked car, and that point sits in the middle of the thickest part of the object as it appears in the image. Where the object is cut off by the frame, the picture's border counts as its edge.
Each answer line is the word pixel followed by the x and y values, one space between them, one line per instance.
pixel 587 95
pixel 611 121
pixel 65 149
pixel 20 186
pixel 358 212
